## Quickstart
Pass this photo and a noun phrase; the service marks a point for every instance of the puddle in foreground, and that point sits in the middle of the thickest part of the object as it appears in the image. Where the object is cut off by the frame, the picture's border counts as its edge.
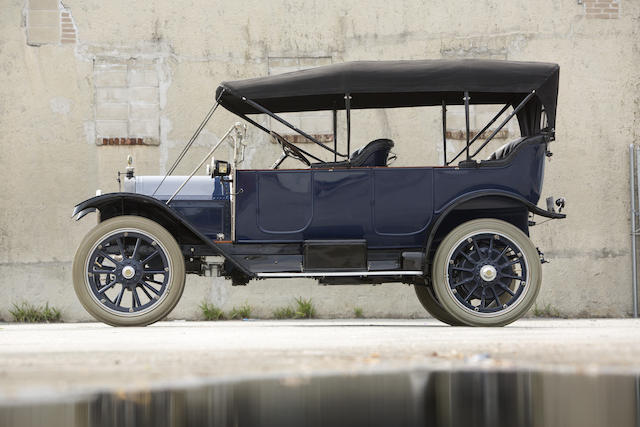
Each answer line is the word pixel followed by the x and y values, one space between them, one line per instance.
pixel 440 398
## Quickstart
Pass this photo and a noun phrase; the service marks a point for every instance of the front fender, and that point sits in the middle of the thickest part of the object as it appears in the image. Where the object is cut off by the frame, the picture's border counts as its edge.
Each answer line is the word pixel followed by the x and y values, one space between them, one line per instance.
pixel 116 204
pixel 117 201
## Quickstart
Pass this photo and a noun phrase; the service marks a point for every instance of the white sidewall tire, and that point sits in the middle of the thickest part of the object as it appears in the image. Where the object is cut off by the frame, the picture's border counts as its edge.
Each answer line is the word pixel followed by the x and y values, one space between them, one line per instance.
pixel 174 288
pixel 441 264
pixel 433 307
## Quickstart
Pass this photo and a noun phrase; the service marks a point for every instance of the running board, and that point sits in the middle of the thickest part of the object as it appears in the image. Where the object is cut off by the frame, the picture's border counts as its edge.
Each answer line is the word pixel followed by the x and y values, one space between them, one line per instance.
pixel 345 273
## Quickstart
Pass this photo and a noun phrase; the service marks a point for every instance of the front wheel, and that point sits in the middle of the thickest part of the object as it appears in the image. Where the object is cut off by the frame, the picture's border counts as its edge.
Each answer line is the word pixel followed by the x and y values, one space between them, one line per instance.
pixel 486 272
pixel 129 271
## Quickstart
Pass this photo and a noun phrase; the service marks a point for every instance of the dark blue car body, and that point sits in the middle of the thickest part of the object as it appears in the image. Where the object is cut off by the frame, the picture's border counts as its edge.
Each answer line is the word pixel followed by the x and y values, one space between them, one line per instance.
pixel 397 209
pixel 389 207
pixel 357 220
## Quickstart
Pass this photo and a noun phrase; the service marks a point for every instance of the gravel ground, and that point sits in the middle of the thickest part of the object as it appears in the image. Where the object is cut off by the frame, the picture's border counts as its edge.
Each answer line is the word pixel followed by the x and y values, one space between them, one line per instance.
pixel 63 358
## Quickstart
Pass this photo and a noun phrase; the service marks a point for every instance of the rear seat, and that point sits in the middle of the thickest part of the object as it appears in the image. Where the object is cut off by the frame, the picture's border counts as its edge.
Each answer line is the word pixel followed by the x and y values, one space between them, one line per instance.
pixel 507 149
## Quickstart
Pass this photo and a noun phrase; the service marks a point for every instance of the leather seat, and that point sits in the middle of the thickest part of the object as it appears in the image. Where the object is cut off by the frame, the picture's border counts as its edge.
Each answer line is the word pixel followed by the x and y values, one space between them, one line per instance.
pixel 507 149
pixel 375 153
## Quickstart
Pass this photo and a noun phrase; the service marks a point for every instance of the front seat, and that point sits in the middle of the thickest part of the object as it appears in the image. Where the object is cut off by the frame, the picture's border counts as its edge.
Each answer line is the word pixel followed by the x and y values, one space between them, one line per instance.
pixel 375 153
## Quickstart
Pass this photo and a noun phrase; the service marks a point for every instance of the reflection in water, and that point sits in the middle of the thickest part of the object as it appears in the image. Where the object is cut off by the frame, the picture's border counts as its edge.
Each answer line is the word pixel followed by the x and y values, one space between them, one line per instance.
pixel 417 398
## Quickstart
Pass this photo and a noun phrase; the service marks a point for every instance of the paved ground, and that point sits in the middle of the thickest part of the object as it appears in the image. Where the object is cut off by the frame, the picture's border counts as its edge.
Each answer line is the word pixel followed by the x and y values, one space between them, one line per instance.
pixel 44 359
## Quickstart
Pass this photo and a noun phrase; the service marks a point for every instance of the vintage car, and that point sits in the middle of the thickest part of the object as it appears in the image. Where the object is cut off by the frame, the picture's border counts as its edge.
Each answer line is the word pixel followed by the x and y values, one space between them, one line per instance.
pixel 457 232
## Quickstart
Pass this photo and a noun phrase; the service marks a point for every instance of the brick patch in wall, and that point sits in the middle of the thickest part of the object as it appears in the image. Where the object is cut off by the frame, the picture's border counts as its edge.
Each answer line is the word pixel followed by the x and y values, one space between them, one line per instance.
pixel 48 22
pixel 325 138
pixel 127 101
pixel 462 134
pixel 122 141
pixel 602 9
pixel 43 22
pixel 68 27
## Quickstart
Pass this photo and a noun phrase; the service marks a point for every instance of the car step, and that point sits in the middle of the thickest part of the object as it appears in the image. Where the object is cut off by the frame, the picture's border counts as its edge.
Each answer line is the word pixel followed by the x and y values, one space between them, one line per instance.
pixel 345 273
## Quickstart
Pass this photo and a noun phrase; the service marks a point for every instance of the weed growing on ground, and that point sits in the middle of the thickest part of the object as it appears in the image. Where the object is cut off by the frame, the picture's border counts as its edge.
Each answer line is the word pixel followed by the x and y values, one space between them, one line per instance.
pixel 242 312
pixel 211 312
pixel 28 313
pixel 305 309
pixel 546 311
pixel 284 313
pixel 358 313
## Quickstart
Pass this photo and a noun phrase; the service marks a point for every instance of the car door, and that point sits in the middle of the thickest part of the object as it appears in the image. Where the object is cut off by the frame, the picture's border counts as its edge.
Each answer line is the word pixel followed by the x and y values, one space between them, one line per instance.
pixel 388 207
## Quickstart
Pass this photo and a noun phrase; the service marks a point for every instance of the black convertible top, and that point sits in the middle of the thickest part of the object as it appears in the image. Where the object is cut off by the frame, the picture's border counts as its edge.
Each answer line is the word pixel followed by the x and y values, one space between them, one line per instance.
pixel 387 84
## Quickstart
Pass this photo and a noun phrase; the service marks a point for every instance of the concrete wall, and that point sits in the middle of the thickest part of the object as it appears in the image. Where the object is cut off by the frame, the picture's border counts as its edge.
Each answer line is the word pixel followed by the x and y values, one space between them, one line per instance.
pixel 79 75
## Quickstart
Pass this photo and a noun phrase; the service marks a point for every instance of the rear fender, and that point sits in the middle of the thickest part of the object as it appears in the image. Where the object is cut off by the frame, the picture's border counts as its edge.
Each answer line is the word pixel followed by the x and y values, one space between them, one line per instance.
pixel 484 201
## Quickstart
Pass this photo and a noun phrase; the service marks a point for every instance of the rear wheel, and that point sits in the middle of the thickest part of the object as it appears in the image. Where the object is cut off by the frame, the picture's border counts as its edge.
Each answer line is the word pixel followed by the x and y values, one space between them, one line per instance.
pixel 129 271
pixel 486 272
pixel 428 300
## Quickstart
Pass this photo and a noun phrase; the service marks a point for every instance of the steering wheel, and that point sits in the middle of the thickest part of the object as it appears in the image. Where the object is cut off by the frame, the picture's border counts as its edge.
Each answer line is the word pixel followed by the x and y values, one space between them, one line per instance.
pixel 288 150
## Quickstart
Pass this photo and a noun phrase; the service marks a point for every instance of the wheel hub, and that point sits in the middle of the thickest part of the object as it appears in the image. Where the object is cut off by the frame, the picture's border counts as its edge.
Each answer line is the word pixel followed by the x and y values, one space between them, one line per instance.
pixel 488 273
pixel 128 272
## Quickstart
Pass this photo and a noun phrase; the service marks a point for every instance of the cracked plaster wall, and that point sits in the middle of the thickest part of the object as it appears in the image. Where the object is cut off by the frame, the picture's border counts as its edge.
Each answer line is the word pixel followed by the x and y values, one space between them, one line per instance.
pixel 50 126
